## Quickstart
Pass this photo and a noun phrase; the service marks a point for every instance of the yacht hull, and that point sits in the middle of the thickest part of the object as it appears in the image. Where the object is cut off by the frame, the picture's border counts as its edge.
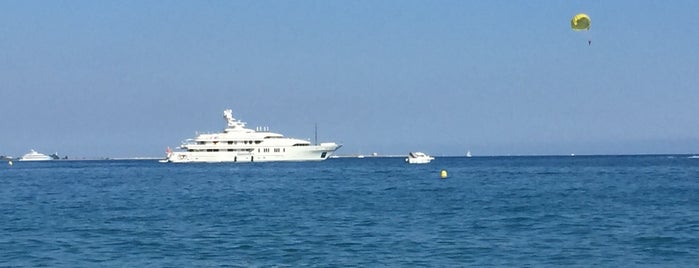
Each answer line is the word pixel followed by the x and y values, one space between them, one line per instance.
pixel 291 154
pixel 418 160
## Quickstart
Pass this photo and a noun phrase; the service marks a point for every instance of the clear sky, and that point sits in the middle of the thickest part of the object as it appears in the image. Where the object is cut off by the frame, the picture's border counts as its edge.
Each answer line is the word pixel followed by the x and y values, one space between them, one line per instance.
pixel 129 78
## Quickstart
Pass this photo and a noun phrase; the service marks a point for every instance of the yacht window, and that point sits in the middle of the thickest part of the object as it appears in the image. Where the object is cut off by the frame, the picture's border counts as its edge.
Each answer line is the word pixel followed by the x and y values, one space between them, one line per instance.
pixel 201 142
pixel 258 142
pixel 230 142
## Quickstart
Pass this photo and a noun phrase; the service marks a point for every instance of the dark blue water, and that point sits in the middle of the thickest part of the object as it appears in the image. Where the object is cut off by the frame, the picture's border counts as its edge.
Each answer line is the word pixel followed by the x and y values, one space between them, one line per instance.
pixel 491 211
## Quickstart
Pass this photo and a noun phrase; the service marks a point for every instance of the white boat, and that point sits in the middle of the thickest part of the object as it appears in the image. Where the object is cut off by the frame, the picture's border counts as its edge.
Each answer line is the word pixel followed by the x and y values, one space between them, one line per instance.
pixel 468 154
pixel 240 144
pixel 35 156
pixel 418 158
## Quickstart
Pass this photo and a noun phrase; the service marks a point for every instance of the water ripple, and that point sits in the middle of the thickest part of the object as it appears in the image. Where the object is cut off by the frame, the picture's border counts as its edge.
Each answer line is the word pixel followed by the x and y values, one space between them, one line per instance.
pixel 527 211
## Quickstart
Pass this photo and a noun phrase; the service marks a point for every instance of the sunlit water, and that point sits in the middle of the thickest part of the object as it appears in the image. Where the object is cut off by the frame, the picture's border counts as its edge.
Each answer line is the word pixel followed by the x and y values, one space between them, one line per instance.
pixel 617 211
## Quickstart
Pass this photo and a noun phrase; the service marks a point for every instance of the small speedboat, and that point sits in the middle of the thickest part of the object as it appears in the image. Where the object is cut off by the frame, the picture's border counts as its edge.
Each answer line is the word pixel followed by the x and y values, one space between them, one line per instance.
pixel 418 158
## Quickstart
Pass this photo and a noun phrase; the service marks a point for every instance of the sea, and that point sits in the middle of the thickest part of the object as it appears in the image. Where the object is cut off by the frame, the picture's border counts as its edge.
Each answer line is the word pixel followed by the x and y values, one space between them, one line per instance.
pixel 518 211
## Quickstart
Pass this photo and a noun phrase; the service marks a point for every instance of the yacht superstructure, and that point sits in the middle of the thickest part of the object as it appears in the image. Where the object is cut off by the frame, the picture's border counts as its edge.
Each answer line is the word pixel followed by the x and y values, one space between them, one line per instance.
pixel 240 144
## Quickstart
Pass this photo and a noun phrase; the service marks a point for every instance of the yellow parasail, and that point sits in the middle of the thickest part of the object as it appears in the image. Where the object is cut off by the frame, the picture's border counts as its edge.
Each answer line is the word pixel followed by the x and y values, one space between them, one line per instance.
pixel 580 22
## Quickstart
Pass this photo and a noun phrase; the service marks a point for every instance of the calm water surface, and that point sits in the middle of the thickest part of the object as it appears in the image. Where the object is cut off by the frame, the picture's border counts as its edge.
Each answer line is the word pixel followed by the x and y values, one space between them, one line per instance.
pixel 615 211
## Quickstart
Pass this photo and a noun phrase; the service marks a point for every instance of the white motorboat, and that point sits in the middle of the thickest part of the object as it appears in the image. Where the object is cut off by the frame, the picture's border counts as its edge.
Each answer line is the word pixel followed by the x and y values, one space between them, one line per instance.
pixel 240 144
pixel 418 158
pixel 35 156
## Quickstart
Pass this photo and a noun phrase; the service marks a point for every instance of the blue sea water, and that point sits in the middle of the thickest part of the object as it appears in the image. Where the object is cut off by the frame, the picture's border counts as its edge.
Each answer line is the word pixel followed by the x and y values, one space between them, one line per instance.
pixel 616 211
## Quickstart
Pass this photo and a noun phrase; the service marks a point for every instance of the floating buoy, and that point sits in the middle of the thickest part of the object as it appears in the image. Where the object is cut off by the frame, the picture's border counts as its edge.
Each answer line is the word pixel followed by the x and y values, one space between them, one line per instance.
pixel 9 162
pixel 443 174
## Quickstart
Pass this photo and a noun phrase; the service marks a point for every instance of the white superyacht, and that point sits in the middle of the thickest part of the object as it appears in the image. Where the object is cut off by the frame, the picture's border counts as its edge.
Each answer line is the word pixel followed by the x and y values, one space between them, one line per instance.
pixel 239 144
pixel 35 156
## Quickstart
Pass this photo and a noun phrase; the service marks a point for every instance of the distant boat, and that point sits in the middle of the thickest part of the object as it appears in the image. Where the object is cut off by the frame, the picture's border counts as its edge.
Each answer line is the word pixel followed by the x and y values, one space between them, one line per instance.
pixel 694 157
pixel 35 156
pixel 468 154
pixel 418 158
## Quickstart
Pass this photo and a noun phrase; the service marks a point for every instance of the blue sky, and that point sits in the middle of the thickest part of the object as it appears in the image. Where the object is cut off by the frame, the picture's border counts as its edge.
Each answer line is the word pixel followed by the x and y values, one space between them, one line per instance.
pixel 129 78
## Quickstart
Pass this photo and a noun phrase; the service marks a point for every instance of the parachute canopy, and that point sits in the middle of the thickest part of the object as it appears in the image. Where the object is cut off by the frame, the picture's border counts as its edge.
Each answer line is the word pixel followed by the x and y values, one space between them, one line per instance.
pixel 580 22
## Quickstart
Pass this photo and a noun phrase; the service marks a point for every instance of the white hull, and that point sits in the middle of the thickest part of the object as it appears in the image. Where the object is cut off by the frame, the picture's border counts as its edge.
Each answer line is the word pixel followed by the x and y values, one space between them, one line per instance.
pixel 306 153
pixel 419 160
pixel 36 159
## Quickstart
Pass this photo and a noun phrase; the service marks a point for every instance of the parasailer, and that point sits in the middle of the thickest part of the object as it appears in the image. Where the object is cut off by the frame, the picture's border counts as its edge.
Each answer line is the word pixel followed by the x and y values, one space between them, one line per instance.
pixel 581 22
